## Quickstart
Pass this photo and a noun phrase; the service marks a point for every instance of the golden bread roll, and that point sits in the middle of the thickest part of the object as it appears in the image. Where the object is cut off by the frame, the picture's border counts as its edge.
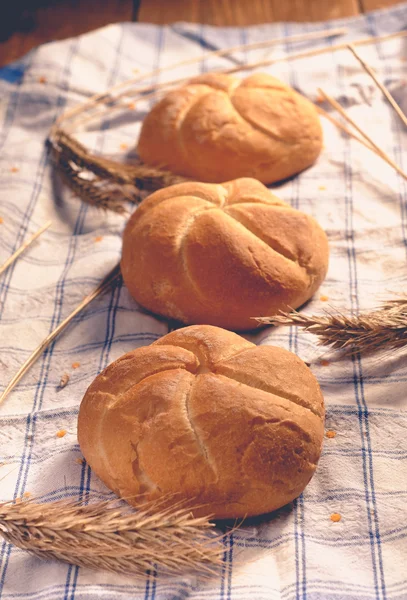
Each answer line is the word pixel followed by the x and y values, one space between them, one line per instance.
pixel 218 127
pixel 208 416
pixel 221 254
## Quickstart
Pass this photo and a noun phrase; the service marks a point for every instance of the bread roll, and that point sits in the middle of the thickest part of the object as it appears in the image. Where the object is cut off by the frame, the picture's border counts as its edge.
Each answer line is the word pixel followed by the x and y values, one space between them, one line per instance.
pixel 208 416
pixel 221 254
pixel 217 127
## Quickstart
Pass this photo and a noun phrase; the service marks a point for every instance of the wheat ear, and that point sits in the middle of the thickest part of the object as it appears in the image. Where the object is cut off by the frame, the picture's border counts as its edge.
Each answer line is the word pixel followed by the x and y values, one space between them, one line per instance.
pixel 113 537
pixel 102 182
pixel 382 329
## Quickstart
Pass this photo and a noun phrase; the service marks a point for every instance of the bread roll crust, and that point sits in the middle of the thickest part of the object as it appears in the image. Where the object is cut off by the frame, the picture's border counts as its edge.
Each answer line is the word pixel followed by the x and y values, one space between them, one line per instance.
pixel 221 254
pixel 207 416
pixel 218 127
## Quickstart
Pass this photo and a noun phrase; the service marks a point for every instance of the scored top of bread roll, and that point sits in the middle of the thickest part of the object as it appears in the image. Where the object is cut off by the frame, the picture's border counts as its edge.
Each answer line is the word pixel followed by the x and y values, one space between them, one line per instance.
pixel 217 127
pixel 208 416
pixel 221 254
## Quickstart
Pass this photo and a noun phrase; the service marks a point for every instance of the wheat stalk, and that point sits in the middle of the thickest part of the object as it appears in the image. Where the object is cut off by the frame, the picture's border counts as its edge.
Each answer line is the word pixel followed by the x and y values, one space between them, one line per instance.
pixel 24 247
pixel 107 96
pixel 368 139
pixel 381 329
pixel 379 84
pixel 102 182
pixel 346 129
pixel 106 283
pixel 109 536
pixel 314 52
pixel 361 140
pixel 107 184
pixel 115 103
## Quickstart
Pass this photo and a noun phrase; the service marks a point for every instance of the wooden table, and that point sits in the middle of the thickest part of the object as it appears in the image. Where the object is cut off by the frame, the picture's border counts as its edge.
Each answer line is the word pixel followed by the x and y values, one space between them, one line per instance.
pixel 28 23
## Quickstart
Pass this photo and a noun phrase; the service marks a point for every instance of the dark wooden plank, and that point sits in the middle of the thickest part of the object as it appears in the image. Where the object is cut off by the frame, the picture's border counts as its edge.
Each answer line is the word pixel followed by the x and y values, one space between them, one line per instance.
pixel 244 12
pixel 28 23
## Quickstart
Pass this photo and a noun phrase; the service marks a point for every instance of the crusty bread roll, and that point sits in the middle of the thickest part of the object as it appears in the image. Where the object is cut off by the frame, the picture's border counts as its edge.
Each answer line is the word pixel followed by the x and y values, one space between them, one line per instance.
pixel 218 127
pixel 221 254
pixel 208 416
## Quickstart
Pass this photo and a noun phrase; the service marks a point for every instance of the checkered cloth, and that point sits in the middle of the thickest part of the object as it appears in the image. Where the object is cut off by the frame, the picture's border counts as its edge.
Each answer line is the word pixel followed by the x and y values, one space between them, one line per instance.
pixel 360 202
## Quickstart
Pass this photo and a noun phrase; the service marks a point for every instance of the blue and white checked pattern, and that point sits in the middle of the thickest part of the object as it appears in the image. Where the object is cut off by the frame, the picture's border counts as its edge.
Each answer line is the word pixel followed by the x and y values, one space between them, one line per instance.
pixel 361 203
